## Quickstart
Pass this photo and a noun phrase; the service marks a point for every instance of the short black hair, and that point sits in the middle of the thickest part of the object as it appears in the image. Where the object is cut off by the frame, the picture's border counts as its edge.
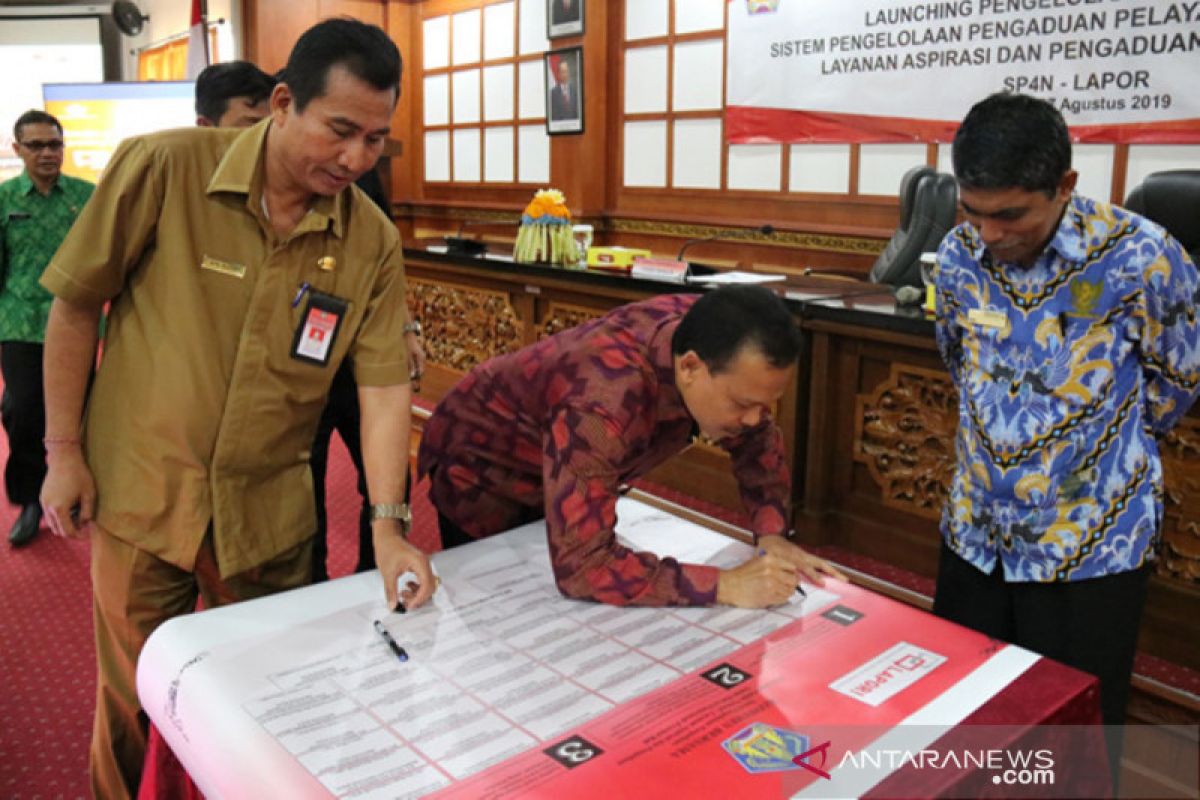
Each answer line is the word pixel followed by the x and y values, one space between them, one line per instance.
pixel 217 84
pixel 35 116
pixel 363 49
pixel 724 321
pixel 1010 140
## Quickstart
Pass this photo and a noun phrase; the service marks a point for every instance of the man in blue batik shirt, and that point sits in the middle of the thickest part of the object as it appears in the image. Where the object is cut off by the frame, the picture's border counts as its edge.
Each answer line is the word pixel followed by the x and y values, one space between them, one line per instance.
pixel 1070 331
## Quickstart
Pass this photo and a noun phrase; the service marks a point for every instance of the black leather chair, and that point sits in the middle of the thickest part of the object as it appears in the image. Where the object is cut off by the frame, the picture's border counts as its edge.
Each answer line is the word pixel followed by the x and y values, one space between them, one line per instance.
pixel 928 201
pixel 1172 199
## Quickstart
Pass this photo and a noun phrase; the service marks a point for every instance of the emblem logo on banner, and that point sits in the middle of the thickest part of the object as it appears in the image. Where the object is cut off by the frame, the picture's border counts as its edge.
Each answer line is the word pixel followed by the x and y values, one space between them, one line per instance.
pixel 889 673
pixel 765 748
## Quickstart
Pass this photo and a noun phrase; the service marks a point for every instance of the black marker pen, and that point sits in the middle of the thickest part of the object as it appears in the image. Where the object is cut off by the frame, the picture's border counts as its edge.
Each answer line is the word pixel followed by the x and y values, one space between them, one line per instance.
pixel 387 637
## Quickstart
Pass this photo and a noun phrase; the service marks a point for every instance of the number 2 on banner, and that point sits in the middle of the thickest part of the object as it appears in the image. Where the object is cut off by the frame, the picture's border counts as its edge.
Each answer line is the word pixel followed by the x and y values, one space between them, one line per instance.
pixel 726 676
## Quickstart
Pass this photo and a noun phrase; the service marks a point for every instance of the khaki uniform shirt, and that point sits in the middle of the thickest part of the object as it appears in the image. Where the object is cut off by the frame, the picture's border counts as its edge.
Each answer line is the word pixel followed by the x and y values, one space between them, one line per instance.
pixel 199 412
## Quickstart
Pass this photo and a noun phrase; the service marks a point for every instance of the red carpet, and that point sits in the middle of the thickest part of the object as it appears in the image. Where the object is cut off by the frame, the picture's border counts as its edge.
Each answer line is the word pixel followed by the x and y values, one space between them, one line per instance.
pixel 46 664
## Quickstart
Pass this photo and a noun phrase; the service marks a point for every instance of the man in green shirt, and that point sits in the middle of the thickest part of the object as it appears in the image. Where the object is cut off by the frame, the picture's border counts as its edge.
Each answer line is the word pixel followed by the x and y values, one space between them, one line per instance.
pixel 37 209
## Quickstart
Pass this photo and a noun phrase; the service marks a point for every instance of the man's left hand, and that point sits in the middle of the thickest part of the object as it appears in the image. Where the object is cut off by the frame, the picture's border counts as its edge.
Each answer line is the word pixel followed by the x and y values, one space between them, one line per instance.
pixel 806 564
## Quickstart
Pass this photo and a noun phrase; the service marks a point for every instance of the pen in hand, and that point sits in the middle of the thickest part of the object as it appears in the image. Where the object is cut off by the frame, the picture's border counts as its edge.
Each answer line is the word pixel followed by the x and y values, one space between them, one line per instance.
pixel 391 643
pixel 799 588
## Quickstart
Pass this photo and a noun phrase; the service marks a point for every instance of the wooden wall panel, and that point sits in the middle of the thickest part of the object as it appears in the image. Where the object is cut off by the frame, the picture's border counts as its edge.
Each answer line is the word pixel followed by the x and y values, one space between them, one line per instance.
pixel 401 20
pixel 841 234
pixel 577 162
pixel 372 11
pixel 273 26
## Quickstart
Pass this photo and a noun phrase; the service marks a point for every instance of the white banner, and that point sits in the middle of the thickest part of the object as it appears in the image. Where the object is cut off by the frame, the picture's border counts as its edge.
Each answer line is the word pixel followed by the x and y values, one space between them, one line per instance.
pixel 879 70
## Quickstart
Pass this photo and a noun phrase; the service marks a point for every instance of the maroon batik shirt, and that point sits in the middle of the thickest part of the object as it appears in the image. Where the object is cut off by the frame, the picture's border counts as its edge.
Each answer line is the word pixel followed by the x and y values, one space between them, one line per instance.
pixel 564 423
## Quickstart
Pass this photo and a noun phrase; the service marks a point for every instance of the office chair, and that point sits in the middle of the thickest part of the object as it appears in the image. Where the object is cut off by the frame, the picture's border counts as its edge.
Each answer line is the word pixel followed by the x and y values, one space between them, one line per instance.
pixel 927 209
pixel 1172 199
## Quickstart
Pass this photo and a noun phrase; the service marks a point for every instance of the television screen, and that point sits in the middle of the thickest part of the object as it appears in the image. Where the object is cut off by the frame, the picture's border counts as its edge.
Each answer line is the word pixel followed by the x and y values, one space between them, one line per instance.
pixel 97 116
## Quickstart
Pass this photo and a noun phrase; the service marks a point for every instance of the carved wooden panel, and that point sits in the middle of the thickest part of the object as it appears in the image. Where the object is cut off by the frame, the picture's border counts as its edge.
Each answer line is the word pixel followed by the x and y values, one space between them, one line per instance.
pixel 905 436
pixel 464 326
pixel 904 433
pixel 834 243
pixel 1180 554
pixel 561 316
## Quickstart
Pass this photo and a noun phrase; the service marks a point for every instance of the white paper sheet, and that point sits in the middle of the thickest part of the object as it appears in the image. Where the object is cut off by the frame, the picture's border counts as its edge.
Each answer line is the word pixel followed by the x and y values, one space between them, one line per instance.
pixel 288 694
pixel 734 276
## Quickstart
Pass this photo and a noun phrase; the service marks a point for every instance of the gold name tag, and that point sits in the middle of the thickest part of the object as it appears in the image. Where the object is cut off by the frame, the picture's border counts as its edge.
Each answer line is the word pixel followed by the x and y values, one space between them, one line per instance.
pixel 223 267
pixel 986 318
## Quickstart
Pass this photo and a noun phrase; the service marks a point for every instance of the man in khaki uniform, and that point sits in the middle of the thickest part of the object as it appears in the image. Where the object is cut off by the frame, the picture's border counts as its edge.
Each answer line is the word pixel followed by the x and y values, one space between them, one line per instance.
pixel 241 269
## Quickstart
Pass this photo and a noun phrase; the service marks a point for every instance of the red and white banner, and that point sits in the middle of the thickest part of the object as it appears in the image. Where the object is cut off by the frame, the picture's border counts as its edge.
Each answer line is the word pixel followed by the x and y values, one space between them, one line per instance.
pixel 885 71
pixel 853 666
pixel 197 52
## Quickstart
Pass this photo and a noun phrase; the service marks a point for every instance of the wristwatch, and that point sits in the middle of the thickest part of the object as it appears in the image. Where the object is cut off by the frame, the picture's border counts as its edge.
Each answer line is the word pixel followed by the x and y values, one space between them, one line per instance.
pixel 412 326
pixel 398 511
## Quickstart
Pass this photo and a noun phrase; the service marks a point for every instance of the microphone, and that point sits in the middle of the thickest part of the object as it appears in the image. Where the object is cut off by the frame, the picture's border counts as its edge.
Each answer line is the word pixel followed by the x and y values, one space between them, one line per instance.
pixel 909 295
pixel 691 242
pixel 458 246
pixel 765 230
pixel 701 269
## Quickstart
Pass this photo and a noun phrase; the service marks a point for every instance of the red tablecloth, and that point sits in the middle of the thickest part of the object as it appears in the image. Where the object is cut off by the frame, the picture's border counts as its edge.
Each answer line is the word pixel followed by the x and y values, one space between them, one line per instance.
pixel 1032 710
pixel 1047 694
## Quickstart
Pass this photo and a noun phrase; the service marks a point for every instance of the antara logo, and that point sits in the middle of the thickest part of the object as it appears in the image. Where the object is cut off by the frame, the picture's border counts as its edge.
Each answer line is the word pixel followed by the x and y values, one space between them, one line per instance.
pixel 806 759
pixel 889 673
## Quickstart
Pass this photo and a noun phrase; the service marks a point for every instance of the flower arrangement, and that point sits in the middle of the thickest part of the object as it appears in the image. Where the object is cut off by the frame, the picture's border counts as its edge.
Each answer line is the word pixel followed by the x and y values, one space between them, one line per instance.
pixel 545 233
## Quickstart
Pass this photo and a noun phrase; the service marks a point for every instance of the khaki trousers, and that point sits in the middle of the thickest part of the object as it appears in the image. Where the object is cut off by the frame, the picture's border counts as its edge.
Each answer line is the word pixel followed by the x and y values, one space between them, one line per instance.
pixel 133 592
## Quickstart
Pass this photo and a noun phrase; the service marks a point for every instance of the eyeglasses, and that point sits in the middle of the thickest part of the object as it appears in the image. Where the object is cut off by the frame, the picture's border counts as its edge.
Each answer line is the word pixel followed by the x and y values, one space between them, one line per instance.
pixel 38 145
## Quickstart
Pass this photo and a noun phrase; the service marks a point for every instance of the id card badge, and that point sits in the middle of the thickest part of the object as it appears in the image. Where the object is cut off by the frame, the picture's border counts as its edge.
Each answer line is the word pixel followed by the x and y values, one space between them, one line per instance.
pixel 323 315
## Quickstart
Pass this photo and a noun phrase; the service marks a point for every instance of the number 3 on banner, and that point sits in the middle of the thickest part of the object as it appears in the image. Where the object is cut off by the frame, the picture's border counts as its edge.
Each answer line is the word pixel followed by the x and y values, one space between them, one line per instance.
pixel 573 752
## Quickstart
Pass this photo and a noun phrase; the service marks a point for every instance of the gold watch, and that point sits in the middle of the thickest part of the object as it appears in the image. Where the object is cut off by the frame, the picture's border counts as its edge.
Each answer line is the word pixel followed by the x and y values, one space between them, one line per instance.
pixel 398 511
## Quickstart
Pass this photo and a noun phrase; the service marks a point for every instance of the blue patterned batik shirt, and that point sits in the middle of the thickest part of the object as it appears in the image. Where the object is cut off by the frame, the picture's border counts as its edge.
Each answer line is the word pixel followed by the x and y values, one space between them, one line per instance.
pixel 1066 371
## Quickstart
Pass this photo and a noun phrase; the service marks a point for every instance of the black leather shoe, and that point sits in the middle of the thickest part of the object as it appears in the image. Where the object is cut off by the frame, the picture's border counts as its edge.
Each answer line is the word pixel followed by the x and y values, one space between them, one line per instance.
pixel 27 525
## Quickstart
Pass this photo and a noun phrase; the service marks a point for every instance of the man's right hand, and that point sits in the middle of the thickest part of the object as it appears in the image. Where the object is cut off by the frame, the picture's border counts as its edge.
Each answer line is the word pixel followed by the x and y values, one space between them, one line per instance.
pixel 68 486
pixel 395 556
pixel 766 580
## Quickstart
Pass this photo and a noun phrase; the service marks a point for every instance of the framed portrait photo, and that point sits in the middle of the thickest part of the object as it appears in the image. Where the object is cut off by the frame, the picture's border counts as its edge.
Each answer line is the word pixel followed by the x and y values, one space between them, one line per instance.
pixel 564 18
pixel 564 90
